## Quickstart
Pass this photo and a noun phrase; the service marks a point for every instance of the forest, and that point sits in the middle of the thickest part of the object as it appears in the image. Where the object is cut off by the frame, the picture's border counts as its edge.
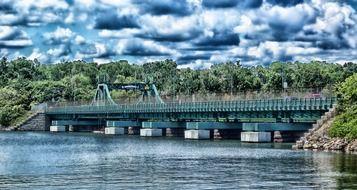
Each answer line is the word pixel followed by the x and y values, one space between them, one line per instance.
pixel 24 83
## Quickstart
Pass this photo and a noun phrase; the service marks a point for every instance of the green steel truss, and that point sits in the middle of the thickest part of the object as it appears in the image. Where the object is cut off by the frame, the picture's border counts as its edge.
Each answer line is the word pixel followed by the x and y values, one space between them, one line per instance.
pixel 149 93
pixel 259 110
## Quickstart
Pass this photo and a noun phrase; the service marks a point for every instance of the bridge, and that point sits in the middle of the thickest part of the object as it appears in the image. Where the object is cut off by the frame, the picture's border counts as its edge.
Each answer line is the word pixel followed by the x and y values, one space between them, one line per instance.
pixel 252 120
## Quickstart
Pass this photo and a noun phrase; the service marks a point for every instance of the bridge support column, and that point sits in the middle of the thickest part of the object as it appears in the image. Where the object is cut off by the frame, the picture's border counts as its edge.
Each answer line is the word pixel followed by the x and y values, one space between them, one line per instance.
pixel 57 128
pixel 256 136
pixel 287 136
pixel 226 134
pixel 277 136
pixel 197 134
pixel 175 132
pixel 133 130
pixel 71 128
pixel 114 131
pixel 151 132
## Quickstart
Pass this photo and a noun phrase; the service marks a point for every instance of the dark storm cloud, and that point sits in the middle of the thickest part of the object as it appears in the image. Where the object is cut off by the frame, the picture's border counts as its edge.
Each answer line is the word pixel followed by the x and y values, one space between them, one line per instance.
pixel 221 38
pixel 111 21
pixel 220 4
pixel 6 7
pixel 90 51
pixel 138 47
pixel 285 3
pixel 164 7
pixel 283 29
pixel 12 37
pixel 170 37
pixel 206 48
pixel 190 58
pixel 232 3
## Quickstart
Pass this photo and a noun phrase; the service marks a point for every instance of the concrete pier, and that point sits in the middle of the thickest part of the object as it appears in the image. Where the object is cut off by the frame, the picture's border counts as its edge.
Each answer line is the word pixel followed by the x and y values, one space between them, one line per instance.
pixel 133 130
pixel 114 131
pixel 256 136
pixel 287 136
pixel 71 128
pixel 151 132
pixel 197 134
pixel 175 132
pixel 58 128
pixel 277 136
pixel 226 133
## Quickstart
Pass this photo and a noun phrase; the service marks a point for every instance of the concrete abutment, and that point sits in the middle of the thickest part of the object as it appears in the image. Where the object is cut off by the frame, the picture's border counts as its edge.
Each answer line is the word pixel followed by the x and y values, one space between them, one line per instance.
pixel 197 134
pixel 256 137
pixel 151 132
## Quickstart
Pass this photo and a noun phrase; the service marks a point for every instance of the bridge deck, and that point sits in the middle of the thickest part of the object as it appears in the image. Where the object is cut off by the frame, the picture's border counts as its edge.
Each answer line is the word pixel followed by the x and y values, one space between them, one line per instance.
pixel 301 104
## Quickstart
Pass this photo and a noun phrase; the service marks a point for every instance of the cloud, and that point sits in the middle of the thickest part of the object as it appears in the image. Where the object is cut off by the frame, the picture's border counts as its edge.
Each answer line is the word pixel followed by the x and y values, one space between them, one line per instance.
pixel 62 50
pixel 220 4
pixel 165 7
pixel 232 3
pixel 193 57
pixel 170 28
pixel 12 37
pixel 218 38
pixel 94 51
pixel 138 47
pixel 59 36
pixel 194 32
pixel 197 64
pixel 335 28
pixel 285 3
pixel 41 57
pixel 112 21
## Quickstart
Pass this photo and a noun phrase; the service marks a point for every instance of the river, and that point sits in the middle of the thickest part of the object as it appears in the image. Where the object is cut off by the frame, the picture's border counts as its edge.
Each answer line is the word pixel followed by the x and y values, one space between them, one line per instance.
pixel 94 161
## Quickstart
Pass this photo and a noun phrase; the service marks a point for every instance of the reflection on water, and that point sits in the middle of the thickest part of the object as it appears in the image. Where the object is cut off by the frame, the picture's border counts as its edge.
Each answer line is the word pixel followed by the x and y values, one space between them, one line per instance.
pixel 89 161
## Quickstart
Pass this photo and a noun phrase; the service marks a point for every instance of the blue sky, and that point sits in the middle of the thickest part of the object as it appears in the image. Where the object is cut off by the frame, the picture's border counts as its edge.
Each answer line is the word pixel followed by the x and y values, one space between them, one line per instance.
pixel 195 33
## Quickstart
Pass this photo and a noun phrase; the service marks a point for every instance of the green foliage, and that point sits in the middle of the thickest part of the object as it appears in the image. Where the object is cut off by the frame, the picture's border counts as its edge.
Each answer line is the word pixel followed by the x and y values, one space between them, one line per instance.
pixel 12 105
pixel 345 125
pixel 347 92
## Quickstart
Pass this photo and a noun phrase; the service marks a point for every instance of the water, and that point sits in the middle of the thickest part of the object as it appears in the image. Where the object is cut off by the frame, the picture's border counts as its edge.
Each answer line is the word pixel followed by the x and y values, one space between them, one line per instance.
pixel 93 161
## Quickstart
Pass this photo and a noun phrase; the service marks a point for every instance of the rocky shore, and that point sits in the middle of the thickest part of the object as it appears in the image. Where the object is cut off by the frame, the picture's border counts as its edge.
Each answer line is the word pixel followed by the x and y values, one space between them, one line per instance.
pixel 318 139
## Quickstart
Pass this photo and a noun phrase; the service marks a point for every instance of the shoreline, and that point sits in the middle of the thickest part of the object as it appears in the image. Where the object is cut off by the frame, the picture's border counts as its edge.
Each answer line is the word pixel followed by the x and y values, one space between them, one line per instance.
pixel 317 138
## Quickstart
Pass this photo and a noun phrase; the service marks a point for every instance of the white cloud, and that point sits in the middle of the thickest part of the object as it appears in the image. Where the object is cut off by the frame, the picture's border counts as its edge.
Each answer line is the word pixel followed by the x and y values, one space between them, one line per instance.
pixel 60 35
pixel 198 64
pixel 124 33
pixel 70 18
pixel 6 32
pixel 79 40
pixel 26 5
pixel 36 54
pixel 16 43
pixel 58 52
pixel 13 37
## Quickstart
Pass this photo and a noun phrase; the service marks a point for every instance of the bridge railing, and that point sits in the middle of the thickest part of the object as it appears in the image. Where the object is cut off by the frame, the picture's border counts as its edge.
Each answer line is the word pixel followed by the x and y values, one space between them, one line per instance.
pixel 205 106
pixel 290 93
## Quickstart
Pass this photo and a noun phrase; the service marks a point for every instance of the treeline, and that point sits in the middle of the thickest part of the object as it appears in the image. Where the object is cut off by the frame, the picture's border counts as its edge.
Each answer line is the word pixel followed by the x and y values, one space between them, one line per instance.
pixel 25 82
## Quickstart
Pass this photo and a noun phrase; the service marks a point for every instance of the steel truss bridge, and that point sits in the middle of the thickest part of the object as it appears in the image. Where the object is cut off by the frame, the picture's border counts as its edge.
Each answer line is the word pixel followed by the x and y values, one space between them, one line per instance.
pixel 285 114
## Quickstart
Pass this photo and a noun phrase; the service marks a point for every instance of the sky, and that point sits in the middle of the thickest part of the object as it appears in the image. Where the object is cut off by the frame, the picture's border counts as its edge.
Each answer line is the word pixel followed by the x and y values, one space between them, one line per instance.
pixel 194 33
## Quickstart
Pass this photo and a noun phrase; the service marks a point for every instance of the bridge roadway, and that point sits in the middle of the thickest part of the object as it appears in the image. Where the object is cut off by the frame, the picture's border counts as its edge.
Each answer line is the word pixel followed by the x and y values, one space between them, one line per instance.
pixel 259 115
pixel 273 110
